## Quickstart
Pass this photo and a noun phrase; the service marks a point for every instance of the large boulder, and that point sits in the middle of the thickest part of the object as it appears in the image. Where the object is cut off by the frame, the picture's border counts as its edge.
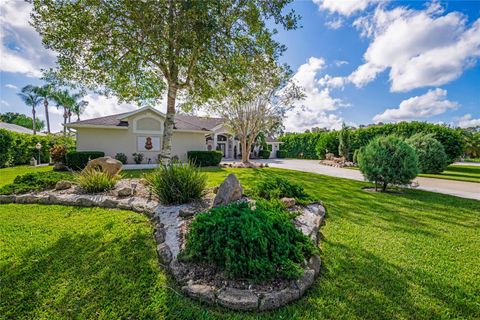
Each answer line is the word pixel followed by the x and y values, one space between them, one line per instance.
pixel 230 190
pixel 106 164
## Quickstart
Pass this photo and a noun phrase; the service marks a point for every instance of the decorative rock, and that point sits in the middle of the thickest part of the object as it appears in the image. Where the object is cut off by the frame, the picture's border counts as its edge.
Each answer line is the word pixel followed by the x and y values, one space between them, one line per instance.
pixel 201 292
pixel 288 202
pixel 108 203
pixel 125 192
pixel 238 299
pixel 7 199
pixel 305 281
pixel 276 299
pixel 160 235
pixel 185 213
pixel 84 202
pixel 124 205
pixel 164 252
pixel 26 198
pixel 106 164
pixel 314 263
pixel 230 190
pixel 63 185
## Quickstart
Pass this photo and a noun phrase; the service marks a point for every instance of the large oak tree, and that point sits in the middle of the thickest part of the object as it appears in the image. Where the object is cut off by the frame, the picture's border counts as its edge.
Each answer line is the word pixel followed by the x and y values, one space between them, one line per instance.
pixel 140 49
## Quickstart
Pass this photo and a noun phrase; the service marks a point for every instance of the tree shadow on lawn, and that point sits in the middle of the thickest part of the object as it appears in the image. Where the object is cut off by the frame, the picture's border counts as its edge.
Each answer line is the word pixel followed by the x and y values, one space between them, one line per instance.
pixel 85 276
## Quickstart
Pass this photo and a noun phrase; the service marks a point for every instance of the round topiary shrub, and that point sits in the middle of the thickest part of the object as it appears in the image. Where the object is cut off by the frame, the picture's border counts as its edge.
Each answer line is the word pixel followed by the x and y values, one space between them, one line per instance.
pixel 431 153
pixel 258 245
pixel 388 160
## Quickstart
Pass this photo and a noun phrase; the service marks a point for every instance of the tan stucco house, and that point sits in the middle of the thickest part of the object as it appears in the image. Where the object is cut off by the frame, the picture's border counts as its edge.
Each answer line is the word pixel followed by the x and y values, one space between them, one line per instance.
pixel 141 131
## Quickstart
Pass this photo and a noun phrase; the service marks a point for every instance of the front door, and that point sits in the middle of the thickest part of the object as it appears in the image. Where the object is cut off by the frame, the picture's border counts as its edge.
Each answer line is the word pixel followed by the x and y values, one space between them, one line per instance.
pixel 222 148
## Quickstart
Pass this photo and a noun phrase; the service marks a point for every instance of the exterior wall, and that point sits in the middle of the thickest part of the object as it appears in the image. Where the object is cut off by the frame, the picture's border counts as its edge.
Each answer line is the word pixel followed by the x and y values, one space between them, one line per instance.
pixel 187 141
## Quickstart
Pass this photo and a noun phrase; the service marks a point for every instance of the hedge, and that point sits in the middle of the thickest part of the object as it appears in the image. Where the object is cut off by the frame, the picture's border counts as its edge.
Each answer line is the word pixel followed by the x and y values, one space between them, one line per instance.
pixel 264 154
pixel 205 158
pixel 77 160
pixel 314 145
pixel 281 154
pixel 18 148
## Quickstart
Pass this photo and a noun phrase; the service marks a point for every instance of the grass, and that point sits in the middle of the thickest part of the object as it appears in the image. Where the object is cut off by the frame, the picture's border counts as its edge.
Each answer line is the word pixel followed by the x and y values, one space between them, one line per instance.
pixel 409 255
pixel 459 173
pixel 7 175
pixel 453 172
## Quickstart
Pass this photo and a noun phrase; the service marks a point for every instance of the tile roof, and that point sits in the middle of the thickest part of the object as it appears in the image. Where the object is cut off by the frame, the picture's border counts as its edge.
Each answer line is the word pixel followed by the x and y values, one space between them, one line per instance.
pixel 182 122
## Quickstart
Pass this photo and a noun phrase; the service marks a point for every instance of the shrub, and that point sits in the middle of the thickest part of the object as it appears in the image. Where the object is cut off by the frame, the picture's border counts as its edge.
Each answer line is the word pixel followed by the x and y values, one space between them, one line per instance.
pixel 264 154
pixel 18 148
pixel 35 181
pixel 137 157
pixel 257 245
pixel 295 144
pixel 94 180
pixel 274 187
pixel 122 157
pixel 355 155
pixel 431 154
pixel 388 160
pixel 328 142
pixel 77 160
pixel 281 154
pixel 205 158
pixel 58 152
pixel 177 183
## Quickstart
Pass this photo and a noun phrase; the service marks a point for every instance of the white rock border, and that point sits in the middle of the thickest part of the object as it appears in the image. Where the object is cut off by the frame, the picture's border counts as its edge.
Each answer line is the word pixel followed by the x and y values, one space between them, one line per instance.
pixel 169 221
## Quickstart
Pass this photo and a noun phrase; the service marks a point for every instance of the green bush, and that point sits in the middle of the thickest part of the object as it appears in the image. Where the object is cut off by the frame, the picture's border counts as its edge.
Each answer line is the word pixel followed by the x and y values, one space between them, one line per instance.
pixel 355 155
pixel 19 148
pixel 77 160
pixel 388 160
pixel 431 154
pixel 274 187
pixel 177 183
pixel 300 145
pixel 258 245
pixel 264 154
pixel 205 158
pixel 281 154
pixel 122 157
pixel 327 143
pixel 35 181
pixel 93 180
pixel 137 157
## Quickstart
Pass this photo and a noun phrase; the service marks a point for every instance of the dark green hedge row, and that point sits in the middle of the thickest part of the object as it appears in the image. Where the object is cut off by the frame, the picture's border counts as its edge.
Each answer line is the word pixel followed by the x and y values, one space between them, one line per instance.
pixel 19 148
pixel 316 145
pixel 77 160
pixel 281 154
pixel 205 158
pixel 264 154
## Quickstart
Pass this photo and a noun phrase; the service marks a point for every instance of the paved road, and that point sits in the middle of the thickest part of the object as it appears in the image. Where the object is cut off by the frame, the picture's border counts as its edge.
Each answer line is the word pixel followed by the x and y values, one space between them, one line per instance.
pixel 462 189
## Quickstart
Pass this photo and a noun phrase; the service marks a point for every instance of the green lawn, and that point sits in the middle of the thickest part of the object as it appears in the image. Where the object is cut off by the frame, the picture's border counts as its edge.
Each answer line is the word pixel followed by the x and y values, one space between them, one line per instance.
pixel 7 175
pixel 410 255
pixel 458 172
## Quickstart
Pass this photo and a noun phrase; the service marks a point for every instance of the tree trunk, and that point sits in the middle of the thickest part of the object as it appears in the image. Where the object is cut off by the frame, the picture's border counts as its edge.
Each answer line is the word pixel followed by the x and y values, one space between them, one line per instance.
pixel 169 122
pixel 47 118
pixel 65 116
pixel 78 116
pixel 384 188
pixel 245 151
pixel 33 121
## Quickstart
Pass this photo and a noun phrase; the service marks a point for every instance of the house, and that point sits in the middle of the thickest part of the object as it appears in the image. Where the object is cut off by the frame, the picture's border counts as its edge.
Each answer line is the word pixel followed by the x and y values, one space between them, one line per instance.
pixel 141 131
pixel 17 128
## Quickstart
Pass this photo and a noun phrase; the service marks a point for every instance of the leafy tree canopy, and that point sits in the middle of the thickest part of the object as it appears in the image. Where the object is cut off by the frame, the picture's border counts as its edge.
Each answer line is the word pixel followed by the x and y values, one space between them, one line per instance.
pixel 22 120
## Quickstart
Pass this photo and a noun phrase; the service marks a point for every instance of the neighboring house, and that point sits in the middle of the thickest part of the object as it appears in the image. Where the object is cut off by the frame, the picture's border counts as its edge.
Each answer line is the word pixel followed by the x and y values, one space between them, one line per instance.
pixel 141 131
pixel 17 128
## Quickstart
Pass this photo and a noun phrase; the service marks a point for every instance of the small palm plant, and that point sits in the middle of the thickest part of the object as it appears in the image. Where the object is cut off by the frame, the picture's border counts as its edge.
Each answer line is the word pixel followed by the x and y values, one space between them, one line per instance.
pixel 46 93
pixel 93 180
pixel 32 99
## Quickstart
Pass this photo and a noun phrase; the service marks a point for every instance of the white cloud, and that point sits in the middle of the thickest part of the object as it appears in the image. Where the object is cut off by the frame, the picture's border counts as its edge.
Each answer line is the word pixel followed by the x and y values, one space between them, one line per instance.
pixel 313 110
pixel 420 47
pixel 334 24
pixel 21 48
pixel 344 7
pixel 11 86
pixel 467 121
pixel 5 103
pixel 340 63
pixel 432 103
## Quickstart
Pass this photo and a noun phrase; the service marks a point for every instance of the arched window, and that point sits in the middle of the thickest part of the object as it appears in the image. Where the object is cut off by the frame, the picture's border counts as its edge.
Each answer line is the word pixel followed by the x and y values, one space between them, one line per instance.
pixel 221 137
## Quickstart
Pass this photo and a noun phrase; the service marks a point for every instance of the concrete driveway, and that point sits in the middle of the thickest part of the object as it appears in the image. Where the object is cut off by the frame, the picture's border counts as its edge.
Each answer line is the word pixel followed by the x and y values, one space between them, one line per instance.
pixel 470 190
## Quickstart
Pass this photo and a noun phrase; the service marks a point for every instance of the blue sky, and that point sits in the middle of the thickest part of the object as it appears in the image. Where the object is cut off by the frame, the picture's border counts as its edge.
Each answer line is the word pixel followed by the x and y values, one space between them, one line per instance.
pixel 360 61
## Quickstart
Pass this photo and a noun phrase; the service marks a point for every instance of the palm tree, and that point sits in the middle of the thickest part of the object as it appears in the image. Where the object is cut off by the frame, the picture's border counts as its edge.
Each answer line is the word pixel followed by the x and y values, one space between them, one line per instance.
pixel 64 99
pixel 31 98
pixel 79 106
pixel 45 92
